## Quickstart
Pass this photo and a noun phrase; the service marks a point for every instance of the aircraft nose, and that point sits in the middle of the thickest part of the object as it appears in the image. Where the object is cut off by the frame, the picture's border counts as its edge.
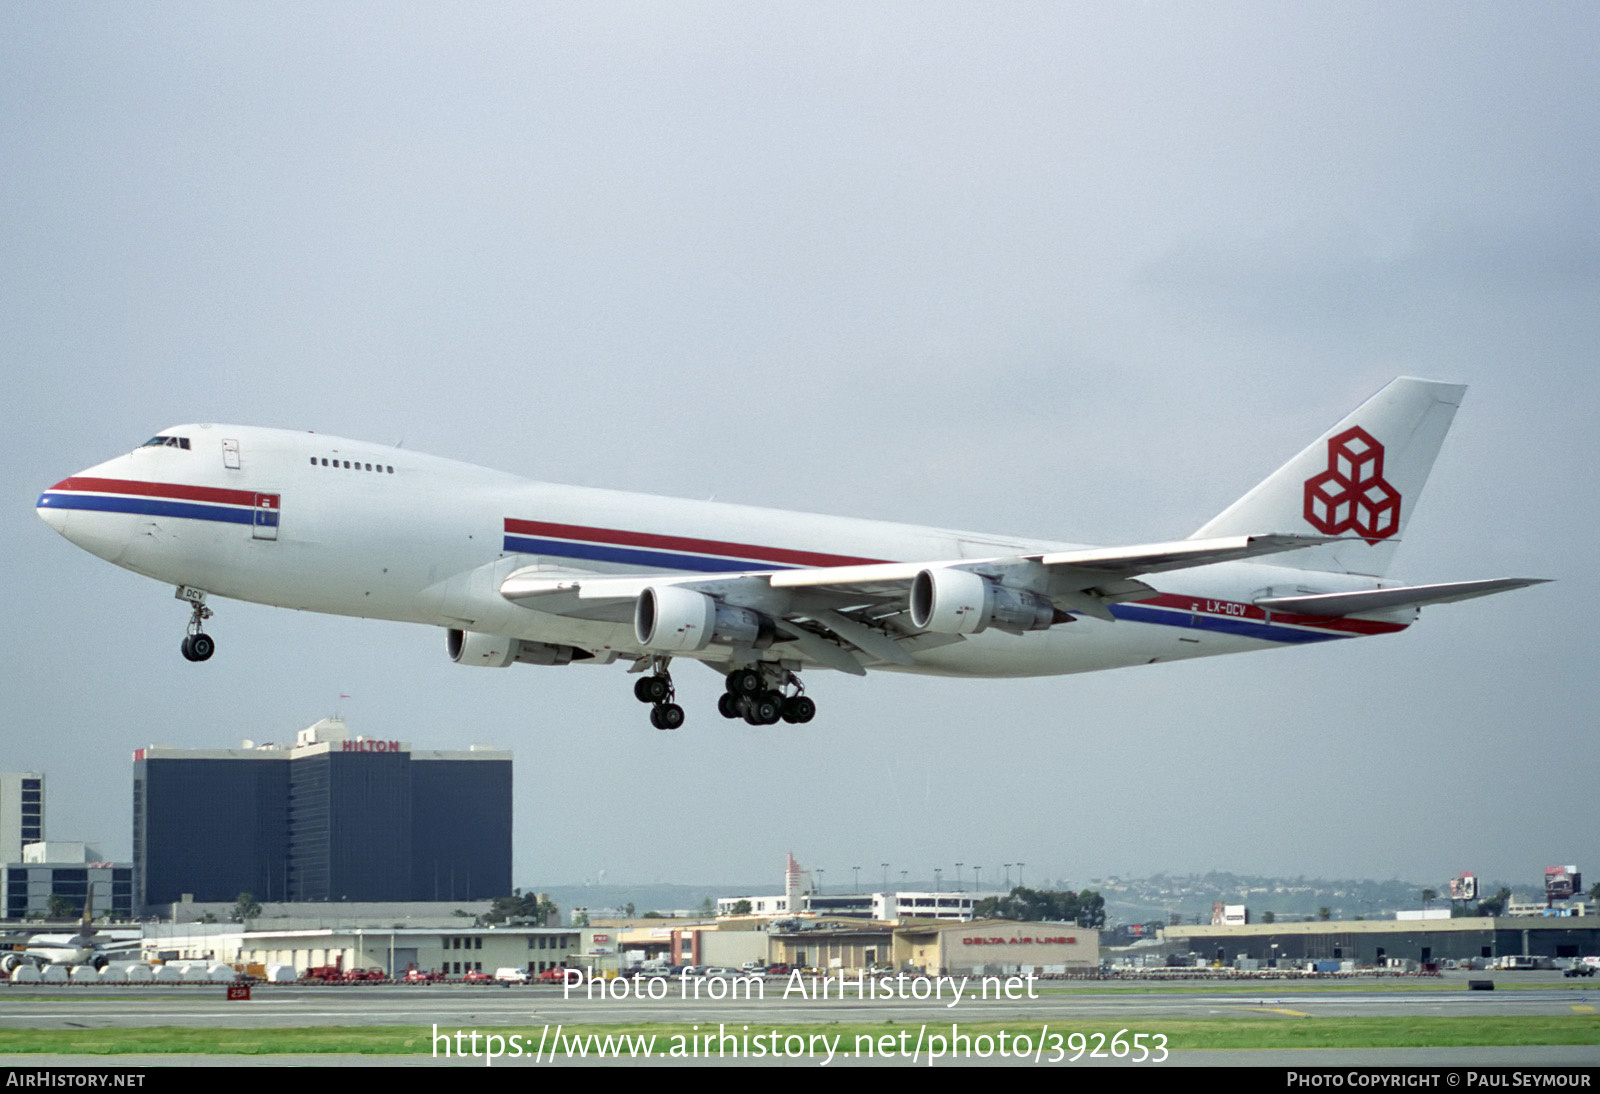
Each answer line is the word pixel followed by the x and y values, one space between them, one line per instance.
pixel 49 507
pixel 74 508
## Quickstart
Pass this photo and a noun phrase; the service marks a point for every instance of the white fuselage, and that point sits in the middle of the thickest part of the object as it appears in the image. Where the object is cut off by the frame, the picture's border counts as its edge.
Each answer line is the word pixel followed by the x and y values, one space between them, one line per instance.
pixel 277 517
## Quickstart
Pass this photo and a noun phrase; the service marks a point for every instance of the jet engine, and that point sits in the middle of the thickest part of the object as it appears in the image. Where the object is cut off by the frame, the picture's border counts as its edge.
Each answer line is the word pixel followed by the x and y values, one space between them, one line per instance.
pixel 949 601
pixel 674 619
pixel 496 651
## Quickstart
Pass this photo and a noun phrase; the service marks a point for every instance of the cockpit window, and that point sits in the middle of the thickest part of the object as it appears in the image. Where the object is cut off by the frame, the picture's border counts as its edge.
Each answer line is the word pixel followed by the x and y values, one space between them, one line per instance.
pixel 169 442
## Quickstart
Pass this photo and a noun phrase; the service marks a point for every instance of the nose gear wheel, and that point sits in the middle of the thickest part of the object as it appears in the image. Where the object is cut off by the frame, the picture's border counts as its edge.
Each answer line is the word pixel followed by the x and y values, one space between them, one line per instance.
pixel 197 645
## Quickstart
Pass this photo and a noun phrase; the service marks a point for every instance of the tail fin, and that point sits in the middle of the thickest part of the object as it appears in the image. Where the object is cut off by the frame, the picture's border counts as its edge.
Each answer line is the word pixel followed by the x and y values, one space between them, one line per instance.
pixel 1361 480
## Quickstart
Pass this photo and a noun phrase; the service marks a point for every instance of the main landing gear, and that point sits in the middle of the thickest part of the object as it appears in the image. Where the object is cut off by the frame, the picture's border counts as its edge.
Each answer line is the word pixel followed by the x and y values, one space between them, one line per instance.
pixel 657 690
pixel 197 645
pixel 758 696
pixel 763 695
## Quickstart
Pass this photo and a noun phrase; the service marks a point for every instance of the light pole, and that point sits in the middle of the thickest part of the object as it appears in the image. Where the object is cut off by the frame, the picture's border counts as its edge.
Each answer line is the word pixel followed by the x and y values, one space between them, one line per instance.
pixel 855 886
pixel 958 877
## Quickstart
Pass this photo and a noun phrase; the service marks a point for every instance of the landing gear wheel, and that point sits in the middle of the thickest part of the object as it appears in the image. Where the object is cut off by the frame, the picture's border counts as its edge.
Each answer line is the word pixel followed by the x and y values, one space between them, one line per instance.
pixel 201 647
pixel 651 689
pixel 197 645
pixel 799 709
pixel 747 682
pixel 666 716
pixel 762 711
pixel 728 705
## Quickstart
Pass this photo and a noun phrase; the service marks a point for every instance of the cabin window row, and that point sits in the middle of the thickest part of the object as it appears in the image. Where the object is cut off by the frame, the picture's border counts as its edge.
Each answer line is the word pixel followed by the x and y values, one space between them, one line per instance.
pixel 355 465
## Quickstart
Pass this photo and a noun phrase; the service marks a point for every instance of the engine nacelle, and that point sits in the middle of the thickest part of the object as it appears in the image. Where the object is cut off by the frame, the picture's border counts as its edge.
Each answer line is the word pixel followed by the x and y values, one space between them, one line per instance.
pixel 673 619
pixel 496 651
pixel 948 601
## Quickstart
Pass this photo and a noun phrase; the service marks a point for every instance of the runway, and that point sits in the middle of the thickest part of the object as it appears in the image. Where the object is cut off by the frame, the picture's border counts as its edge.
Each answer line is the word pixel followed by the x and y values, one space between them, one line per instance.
pixel 529 1011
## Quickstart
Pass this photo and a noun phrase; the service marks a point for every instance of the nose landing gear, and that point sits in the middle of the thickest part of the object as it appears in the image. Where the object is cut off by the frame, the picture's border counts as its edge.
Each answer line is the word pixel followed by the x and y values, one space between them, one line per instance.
pixel 197 645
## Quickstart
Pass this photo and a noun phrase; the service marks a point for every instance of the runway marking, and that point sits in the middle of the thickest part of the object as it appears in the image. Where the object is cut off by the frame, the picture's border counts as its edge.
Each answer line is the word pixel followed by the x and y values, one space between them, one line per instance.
pixel 1583 1008
pixel 1279 1010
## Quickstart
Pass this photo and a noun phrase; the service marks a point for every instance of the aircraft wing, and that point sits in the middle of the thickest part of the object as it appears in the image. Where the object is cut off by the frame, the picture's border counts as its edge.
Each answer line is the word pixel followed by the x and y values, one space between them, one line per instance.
pixel 833 613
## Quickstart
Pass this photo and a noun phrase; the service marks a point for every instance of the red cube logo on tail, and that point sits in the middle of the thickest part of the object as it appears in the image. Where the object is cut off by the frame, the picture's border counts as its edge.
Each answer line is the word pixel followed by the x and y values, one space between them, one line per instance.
pixel 1351 495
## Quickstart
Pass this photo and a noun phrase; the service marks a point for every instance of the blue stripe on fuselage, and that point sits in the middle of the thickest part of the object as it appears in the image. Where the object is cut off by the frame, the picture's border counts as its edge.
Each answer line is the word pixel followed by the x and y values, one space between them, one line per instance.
pixel 156 507
pixel 1244 628
pixel 633 556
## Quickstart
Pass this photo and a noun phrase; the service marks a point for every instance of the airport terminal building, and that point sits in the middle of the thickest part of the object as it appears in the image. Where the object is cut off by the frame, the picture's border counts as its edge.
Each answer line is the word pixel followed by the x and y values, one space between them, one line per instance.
pixel 330 818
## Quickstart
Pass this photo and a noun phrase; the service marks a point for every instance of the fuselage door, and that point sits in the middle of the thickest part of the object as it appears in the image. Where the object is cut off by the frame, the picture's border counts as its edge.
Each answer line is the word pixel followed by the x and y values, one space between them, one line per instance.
pixel 265 523
pixel 230 454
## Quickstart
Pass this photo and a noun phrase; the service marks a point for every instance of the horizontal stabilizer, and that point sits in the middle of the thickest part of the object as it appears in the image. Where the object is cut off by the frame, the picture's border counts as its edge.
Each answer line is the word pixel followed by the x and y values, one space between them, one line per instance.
pixel 1382 600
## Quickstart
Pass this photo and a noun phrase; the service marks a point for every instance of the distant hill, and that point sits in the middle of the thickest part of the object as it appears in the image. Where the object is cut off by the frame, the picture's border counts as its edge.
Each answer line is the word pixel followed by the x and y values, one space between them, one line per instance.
pixel 1128 899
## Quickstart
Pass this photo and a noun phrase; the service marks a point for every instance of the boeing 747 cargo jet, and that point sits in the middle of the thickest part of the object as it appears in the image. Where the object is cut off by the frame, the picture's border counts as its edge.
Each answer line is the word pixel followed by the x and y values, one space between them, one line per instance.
pixel 515 570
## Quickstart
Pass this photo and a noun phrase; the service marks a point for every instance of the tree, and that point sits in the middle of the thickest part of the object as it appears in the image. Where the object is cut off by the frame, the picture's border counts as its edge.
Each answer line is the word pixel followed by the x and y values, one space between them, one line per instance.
pixel 1495 905
pixel 740 907
pixel 520 905
pixel 1085 908
pixel 247 907
pixel 1269 917
pixel 1324 913
pixel 1429 896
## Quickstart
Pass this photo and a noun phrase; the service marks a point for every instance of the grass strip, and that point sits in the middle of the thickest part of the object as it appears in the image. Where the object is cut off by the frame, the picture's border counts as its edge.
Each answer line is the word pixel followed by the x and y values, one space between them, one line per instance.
pixel 1264 1032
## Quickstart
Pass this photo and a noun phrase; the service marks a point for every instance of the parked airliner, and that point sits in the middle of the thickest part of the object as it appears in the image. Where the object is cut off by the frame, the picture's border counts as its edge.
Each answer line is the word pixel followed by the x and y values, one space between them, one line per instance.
pixel 86 946
pixel 520 571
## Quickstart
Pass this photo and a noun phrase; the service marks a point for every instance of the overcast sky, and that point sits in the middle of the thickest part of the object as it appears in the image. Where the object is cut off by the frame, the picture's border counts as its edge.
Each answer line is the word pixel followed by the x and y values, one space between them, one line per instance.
pixel 1077 271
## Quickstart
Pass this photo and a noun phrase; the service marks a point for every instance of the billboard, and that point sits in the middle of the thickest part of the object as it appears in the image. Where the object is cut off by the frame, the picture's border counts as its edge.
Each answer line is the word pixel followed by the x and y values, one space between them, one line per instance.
pixel 1562 882
pixel 1464 887
pixel 1229 915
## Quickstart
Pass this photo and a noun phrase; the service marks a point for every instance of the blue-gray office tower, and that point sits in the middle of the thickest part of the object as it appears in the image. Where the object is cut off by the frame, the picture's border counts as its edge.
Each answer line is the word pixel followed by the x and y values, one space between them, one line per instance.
pixel 330 818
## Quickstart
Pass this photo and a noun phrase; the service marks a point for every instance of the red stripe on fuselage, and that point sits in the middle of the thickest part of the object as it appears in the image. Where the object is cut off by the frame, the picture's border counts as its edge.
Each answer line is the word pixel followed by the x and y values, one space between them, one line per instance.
pixel 681 543
pixel 213 494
